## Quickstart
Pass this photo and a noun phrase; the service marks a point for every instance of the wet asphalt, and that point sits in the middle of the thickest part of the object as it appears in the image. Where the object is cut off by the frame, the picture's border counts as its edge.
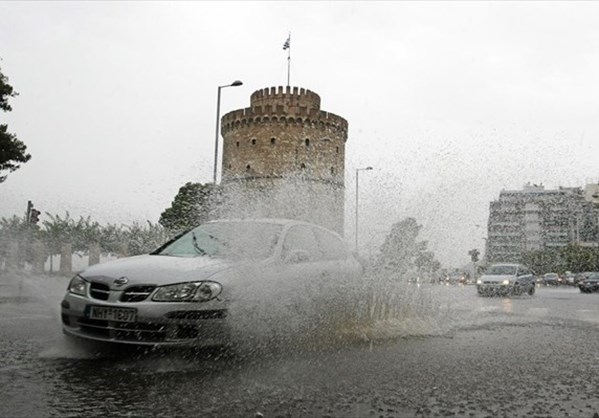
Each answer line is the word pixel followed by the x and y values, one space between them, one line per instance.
pixel 492 357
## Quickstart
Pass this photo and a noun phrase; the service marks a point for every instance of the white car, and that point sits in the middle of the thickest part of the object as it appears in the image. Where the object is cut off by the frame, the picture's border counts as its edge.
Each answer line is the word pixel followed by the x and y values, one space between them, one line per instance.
pixel 506 279
pixel 214 278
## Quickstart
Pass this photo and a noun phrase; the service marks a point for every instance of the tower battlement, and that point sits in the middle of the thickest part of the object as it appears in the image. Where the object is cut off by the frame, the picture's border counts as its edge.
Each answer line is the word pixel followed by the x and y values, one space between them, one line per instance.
pixel 289 96
pixel 287 105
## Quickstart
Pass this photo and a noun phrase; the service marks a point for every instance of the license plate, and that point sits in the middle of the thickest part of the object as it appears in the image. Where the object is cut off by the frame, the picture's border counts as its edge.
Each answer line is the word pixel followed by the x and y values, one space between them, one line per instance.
pixel 108 313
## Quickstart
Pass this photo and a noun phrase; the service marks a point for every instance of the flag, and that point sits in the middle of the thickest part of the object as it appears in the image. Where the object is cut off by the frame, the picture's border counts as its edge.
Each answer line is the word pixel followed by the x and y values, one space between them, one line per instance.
pixel 287 43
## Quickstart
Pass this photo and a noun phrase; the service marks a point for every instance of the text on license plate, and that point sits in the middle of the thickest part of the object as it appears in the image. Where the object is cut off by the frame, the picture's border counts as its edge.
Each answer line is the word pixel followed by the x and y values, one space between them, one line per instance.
pixel 108 313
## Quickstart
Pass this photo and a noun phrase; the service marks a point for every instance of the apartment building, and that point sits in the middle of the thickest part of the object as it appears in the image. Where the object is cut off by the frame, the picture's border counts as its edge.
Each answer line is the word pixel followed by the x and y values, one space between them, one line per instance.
pixel 535 219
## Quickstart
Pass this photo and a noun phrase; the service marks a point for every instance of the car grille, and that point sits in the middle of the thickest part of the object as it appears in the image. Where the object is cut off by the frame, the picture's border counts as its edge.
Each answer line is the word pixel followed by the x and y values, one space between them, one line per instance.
pixel 137 293
pixel 99 291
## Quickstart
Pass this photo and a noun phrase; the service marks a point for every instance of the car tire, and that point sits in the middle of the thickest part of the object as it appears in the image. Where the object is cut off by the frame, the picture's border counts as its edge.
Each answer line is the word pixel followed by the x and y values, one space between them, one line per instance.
pixel 532 290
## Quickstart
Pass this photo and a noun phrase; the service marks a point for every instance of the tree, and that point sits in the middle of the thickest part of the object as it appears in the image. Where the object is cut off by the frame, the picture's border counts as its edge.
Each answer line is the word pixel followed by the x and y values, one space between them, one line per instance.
pixel 194 204
pixel 402 252
pixel 13 152
pixel 578 258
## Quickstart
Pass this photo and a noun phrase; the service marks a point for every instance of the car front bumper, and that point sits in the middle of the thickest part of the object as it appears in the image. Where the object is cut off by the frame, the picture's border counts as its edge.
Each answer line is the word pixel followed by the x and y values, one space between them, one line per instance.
pixel 156 323
pixel 498 289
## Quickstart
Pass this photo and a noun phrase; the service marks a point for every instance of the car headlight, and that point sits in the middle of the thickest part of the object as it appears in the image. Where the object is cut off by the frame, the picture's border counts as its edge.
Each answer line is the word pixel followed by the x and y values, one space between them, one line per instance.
pixel 188 292
pixel 77 286
pixel 506 281
pixel 479 281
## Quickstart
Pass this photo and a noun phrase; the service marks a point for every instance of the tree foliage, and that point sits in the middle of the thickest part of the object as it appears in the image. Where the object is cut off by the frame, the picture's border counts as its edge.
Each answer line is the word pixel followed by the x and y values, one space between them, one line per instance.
pixel 194 204
pixel 81 234
pixel 574 258
pixel 13 152
pixel 403 253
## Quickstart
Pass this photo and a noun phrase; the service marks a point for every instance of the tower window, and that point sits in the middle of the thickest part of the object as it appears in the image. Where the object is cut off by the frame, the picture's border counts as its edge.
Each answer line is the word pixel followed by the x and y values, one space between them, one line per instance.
pixel 272 141
pixel 229 166
pixel 254 141
pixel 248 167
pixel 303 166
pixel 337 150
pixel 333 170
pixel 307 142
pixel 237 143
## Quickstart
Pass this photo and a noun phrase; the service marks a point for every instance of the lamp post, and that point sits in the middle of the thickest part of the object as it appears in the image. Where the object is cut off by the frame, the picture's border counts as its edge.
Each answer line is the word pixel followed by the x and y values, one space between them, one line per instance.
pixel 233 84
pixel 357 192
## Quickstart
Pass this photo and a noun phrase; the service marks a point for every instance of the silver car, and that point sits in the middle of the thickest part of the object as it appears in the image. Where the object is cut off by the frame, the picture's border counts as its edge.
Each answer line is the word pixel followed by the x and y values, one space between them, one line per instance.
pixel 506 279
pixel 198 287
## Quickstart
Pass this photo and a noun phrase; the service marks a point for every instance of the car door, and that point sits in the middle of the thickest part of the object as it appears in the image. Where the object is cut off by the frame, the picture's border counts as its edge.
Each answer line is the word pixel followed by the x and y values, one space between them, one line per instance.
pixel 525 276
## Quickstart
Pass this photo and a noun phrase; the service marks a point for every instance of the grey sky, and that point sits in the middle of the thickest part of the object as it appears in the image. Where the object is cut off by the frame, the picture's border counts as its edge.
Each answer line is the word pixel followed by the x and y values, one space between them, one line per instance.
pixel 449 101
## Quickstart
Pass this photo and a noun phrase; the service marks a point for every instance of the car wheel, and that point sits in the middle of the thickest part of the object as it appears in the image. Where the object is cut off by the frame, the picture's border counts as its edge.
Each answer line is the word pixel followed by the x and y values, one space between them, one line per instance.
pixel 531 291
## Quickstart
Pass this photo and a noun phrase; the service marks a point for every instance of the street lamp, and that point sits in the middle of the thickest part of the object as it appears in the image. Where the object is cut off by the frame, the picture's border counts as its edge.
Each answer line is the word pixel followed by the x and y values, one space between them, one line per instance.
pixel 357 191
pixel 233 84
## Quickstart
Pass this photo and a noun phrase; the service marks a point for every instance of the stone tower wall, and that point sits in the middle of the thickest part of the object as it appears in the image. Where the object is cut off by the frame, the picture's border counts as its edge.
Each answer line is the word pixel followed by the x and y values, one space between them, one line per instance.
pixel 283 145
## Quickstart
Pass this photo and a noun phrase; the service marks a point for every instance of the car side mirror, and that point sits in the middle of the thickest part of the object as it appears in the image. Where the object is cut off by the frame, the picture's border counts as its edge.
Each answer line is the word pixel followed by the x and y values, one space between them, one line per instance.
pixel 297 256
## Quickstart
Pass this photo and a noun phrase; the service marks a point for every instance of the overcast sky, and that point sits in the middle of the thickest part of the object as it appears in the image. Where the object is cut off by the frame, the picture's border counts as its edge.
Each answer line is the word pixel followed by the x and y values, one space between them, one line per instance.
pixel 450 102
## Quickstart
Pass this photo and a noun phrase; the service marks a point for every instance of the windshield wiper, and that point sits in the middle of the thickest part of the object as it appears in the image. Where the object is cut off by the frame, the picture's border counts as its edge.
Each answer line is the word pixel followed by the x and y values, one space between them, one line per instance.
pixel 196 247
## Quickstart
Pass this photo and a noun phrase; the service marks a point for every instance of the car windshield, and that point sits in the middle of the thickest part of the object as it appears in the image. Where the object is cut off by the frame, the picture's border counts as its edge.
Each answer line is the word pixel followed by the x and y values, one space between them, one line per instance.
pixel 501 270
pixel 594 276
pixel 230 240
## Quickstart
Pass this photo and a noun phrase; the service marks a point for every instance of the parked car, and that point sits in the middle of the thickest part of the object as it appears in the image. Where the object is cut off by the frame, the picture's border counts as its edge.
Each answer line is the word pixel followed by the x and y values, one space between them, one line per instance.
pixel 590 284
pixel 190 290
pixel 551 279
pixel 506 279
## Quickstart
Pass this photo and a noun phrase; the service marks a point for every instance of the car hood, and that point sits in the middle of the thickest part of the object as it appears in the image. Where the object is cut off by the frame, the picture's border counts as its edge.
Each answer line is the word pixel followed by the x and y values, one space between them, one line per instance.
pixel 496 277
pixel 157 269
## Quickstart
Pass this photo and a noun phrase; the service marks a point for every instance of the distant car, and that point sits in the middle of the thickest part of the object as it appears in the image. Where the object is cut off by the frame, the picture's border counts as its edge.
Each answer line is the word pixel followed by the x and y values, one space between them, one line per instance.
pixel 569 279
pixel 579 277
pixel 590 284
pixel 551 279
pixel 455 278
pixel 185 292
pixel 506 279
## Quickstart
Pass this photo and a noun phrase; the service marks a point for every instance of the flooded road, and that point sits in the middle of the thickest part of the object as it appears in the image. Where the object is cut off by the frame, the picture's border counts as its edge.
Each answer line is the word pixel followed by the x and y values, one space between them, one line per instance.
pixel 491 357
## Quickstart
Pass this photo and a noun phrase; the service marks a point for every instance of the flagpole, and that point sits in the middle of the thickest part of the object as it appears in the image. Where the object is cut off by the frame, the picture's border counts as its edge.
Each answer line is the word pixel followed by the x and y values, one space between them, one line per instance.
pixel 288 64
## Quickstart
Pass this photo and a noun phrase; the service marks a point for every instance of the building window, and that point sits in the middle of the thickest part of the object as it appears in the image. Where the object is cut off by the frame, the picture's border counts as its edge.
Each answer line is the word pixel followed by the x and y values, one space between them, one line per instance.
pixel 337 150
pixel 229 166
pixel 237 143
pixel 248 167
pixel 303 166
pixel 254 141
pixel 307 142
pixel 272 141
pixel 332 170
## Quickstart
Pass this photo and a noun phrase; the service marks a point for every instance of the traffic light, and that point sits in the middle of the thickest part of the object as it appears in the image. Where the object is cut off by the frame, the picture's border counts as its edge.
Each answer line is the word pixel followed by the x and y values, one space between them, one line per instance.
pixel 474 255
pixel 34 216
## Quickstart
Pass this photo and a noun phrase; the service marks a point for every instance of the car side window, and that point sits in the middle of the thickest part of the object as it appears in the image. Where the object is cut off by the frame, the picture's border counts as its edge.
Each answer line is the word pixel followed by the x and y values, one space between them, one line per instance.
pixel 301 239
pixel 522 271
pixel 332 247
